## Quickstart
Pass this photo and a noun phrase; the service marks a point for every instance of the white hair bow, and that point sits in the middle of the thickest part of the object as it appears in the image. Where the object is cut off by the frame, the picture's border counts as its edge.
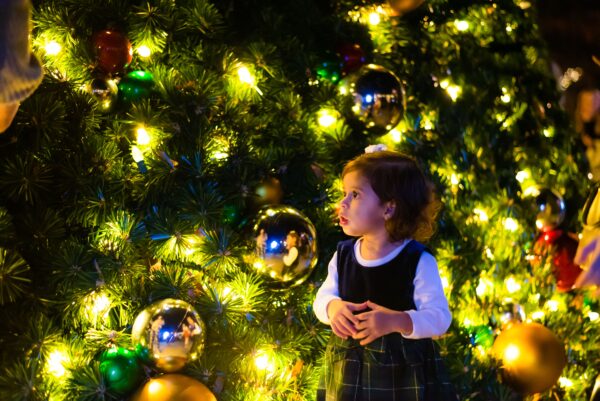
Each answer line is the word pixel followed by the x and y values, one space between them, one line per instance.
pixel 375 148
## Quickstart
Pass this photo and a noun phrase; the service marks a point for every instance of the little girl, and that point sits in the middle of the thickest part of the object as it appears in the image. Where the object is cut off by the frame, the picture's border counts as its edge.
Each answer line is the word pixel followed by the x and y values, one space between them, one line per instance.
pixel 383 295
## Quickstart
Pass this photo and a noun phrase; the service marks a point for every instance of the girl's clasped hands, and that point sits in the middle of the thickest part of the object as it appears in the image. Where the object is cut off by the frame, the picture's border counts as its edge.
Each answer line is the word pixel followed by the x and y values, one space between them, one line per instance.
pixel 368 325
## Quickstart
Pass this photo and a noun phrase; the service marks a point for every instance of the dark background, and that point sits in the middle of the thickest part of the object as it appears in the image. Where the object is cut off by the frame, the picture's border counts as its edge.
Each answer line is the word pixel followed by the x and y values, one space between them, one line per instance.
pixel 572 30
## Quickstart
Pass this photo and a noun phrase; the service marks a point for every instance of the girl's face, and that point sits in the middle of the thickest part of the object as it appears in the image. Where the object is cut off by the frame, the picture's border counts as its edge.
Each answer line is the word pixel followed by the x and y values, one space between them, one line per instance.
pixel 361 212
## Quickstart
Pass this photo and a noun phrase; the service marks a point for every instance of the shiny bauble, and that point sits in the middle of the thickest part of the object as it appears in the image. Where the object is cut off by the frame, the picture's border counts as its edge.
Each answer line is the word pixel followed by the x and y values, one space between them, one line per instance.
pixel 172 332
pixel 329 70
pixel 135 86
pixel 560 247
pixel 550 209
pixel 113 51
pixel 532 357
pixel 173 387
pixel 104 91
pixel 378 96
pixel 285 246
pixel 352 55
pixel 121 370
pixel 401 7
pixel 268 192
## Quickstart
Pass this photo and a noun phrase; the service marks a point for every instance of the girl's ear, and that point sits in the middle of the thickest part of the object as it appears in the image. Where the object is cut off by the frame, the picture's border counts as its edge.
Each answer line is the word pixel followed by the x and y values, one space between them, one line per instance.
pixel 390 207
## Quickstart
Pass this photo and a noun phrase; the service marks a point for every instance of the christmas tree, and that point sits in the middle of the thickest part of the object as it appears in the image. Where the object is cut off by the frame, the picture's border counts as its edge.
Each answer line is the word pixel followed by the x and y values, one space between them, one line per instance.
pixel 141 184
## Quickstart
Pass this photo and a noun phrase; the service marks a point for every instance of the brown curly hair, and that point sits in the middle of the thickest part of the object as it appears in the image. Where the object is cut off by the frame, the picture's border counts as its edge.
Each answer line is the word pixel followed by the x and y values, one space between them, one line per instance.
pixel 398 178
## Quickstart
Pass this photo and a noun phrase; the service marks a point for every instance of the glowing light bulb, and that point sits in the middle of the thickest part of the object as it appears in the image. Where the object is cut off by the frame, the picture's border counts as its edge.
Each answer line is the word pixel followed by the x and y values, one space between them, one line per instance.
pixel 454 179
pixel 564 382
pixel 374 18
pixel 53 48
pixel 396 134
pixel 326 118
pixel 505 98
pixel 143 138
pixel 55 363
pixel 245 75
pixel 144 51
pixel 484 287
pixel 101 304
pixel 512 285
pixel 137 154
pixel 461 25
pixel 537 315
pixel 481 214
pixel 552 305
pixel 548 132
pixel 523 175
pixel 264 363
pixel 511 224
pixel 593 316
pixel 454 92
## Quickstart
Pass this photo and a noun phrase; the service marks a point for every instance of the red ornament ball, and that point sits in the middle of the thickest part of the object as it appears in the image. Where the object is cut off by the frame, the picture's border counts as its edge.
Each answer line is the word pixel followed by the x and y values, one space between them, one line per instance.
pixel 561 247
pixel 113 51
pixel 352 55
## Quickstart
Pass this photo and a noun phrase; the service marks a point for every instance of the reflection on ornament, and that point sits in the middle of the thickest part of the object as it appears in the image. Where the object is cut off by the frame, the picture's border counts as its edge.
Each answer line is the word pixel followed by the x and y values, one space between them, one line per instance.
pixel 532 357
pixel 285 246
pixel 172 331
pixel 174 387
pixel 378 96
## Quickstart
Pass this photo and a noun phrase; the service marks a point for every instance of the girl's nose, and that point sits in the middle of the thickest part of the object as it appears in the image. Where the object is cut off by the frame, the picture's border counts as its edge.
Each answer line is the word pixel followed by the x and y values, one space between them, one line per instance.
pixel 344 202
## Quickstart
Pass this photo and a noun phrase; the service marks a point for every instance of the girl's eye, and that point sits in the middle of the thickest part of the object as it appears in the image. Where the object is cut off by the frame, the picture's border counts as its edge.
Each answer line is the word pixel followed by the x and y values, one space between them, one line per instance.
pixel 354 194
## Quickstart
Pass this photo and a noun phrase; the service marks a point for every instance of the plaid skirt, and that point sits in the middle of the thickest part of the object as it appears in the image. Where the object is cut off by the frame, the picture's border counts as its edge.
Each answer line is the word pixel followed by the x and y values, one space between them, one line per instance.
pixel 391 368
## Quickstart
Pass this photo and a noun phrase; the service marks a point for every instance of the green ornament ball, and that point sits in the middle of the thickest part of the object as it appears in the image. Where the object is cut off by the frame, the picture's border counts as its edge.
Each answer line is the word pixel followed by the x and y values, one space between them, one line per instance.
pixel 121 370
pixel 483 335
pixel 135 86
pixel 329 70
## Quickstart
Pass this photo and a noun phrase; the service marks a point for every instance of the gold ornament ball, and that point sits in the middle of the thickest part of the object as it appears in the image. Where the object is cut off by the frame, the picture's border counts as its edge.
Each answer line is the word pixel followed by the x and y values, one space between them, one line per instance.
pixel 401 7
pixel 174 387
pixel 532 357
pixel 171 331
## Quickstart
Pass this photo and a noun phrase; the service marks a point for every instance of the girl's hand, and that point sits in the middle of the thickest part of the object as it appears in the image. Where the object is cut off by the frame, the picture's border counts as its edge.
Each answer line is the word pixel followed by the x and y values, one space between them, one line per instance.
pixel 380 321
pixel 343 321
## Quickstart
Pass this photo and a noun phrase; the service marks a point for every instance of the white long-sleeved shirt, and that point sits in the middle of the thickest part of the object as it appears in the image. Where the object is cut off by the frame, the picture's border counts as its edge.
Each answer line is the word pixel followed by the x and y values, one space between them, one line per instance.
pixel 432 316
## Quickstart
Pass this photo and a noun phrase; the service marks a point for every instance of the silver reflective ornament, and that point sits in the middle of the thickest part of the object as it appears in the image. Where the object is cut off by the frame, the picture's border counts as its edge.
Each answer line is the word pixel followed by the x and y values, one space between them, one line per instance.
pixel 104 91
pixel 285 246
pixel 172 332
pixel 378 96
pixel 550 208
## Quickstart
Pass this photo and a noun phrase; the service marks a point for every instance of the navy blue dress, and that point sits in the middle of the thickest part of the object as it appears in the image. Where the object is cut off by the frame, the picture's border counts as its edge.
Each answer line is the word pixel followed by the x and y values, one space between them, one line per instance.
pixel 391 367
